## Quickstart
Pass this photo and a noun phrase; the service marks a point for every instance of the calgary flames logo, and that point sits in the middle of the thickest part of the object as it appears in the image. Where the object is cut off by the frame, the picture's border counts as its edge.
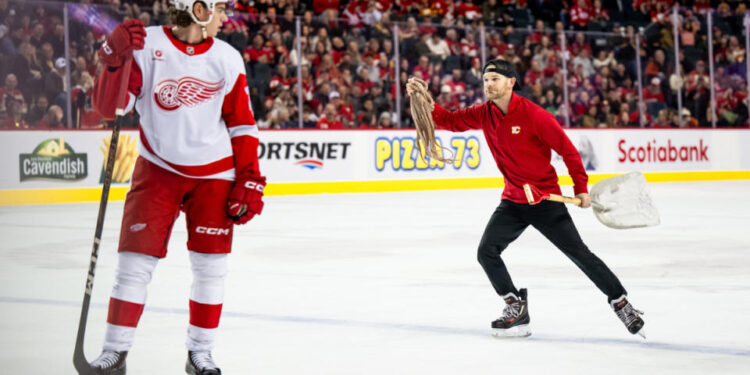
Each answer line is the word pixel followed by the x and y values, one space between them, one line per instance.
pixel 170 94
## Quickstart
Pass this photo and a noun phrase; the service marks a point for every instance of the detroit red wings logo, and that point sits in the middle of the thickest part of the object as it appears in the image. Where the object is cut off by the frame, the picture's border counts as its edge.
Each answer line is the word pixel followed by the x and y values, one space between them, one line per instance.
pixel 170 94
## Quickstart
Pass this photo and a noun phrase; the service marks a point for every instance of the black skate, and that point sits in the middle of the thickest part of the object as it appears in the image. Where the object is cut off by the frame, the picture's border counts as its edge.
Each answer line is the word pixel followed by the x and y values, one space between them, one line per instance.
pixel 110 363
pixel 201 363
pixel 629 315
pixel 515 319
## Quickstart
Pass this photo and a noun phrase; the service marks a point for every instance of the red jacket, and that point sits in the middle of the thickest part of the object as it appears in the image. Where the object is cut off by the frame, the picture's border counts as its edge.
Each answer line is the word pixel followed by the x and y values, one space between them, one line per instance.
pixel 521 143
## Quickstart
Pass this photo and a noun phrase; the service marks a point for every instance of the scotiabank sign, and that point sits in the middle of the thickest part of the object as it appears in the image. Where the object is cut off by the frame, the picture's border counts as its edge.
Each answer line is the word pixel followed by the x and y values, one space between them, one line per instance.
pixel 662 151
pixel 658 150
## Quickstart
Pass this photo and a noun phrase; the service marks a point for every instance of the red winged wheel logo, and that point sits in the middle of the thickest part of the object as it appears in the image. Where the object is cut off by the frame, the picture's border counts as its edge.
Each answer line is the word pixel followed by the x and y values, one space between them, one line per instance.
pixel 189 91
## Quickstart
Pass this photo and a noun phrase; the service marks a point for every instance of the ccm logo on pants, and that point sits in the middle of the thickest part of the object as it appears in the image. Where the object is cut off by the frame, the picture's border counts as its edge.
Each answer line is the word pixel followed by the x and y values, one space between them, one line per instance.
pixel 212 231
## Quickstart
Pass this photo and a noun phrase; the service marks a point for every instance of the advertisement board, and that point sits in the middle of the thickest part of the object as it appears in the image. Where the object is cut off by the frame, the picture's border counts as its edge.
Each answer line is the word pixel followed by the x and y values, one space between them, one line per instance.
pixel 309 161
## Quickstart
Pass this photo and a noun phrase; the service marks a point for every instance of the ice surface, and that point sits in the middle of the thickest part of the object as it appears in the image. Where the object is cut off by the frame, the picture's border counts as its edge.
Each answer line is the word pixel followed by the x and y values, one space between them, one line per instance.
pixel 389 284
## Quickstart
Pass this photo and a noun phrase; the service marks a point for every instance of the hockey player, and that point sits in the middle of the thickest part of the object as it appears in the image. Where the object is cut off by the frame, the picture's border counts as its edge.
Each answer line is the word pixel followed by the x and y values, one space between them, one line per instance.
pixel 521 135
pixel 198 155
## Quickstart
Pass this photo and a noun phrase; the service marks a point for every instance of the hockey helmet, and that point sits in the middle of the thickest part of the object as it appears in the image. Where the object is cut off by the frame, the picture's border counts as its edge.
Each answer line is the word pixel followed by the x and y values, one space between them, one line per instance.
pixel 187 5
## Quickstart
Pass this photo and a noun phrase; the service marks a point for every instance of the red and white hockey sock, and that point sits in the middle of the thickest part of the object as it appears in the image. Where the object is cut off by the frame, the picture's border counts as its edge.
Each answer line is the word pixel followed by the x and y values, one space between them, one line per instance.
pixel 206 299
pixel 128 299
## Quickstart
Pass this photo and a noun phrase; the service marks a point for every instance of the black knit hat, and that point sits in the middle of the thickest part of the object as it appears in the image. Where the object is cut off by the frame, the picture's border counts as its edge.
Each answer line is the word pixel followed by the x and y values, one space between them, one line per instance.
pixel 505 68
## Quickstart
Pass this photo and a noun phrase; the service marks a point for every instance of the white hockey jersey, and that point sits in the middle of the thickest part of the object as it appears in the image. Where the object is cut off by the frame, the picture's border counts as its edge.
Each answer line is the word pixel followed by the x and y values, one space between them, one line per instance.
pixel 192 100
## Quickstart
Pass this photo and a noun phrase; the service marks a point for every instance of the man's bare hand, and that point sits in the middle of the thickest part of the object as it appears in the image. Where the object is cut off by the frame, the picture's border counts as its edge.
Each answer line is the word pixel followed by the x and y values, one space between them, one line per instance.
pixel 585 200
pixel 415 84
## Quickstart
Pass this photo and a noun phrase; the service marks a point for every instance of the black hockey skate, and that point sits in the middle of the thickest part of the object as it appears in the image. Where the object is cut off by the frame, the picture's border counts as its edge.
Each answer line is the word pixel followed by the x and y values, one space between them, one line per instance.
pixel 201 363
pixel 628 315
pixel 110 363
pixel 515 319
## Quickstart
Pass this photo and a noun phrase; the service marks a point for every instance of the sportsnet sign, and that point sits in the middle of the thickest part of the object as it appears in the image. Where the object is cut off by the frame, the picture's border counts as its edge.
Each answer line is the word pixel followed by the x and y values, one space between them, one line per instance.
pixel 311 155
pixel 307 155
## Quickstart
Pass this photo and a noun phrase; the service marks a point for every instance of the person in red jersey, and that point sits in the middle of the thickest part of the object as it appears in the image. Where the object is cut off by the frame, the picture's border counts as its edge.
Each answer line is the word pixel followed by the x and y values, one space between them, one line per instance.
pixel 329 119
pixel 521 136
pixel 198 153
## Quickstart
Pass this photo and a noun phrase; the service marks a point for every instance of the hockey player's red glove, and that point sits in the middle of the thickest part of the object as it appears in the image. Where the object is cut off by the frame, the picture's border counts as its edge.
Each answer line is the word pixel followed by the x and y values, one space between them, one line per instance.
pixel 246 199
pixel 126 37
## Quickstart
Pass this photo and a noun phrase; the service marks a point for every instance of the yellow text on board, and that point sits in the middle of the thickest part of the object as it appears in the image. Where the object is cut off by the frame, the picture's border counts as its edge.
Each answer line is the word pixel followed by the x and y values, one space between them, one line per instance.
pixel 402 153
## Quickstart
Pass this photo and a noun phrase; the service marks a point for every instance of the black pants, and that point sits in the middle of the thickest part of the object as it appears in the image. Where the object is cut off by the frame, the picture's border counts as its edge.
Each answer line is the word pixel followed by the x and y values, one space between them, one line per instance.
pixel 551 219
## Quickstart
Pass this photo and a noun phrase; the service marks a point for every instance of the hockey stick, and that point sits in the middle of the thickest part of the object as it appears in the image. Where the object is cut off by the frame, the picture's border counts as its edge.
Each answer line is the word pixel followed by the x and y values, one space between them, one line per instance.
pixel 534 196
pixel 79 358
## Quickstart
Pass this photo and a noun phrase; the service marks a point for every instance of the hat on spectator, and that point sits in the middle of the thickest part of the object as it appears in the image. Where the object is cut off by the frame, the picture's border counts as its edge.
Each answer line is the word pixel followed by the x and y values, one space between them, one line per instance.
pixel 445 89
pixel 685 112
pixel 655 81
pixel 502 67
pixel 334 94
pixel 60 63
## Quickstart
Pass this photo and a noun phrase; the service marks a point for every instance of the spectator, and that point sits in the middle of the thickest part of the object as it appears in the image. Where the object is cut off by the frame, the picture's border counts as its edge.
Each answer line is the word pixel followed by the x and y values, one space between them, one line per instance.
pixel 606 116
pixel 84 116
pixel 605 59
pixel 588 118
pixel 14 118
pixel 580 15
pixel 37 111
pixel 652 93
pixel 423 69
pixel 53 119
pixel 446 99
pixel 320 6
pixel 10 91
pixel 329 120
pixel 473 77
pixel 279 53
pixel 687 120
pixel 534 76
pixel 697 76
pixel 57 39
pixel 367 121
pixel 281 119
pixel 438 47
pixel 27 69
pixel 657 66
pixel 384 122
pixel 54 82
pixel 259 51
pixel 47 60
pixel 344 110
pixel 584 61
pixel 456 82
pixel 294 56
pixel 662 120
pixel 281 80
pixel 598 13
